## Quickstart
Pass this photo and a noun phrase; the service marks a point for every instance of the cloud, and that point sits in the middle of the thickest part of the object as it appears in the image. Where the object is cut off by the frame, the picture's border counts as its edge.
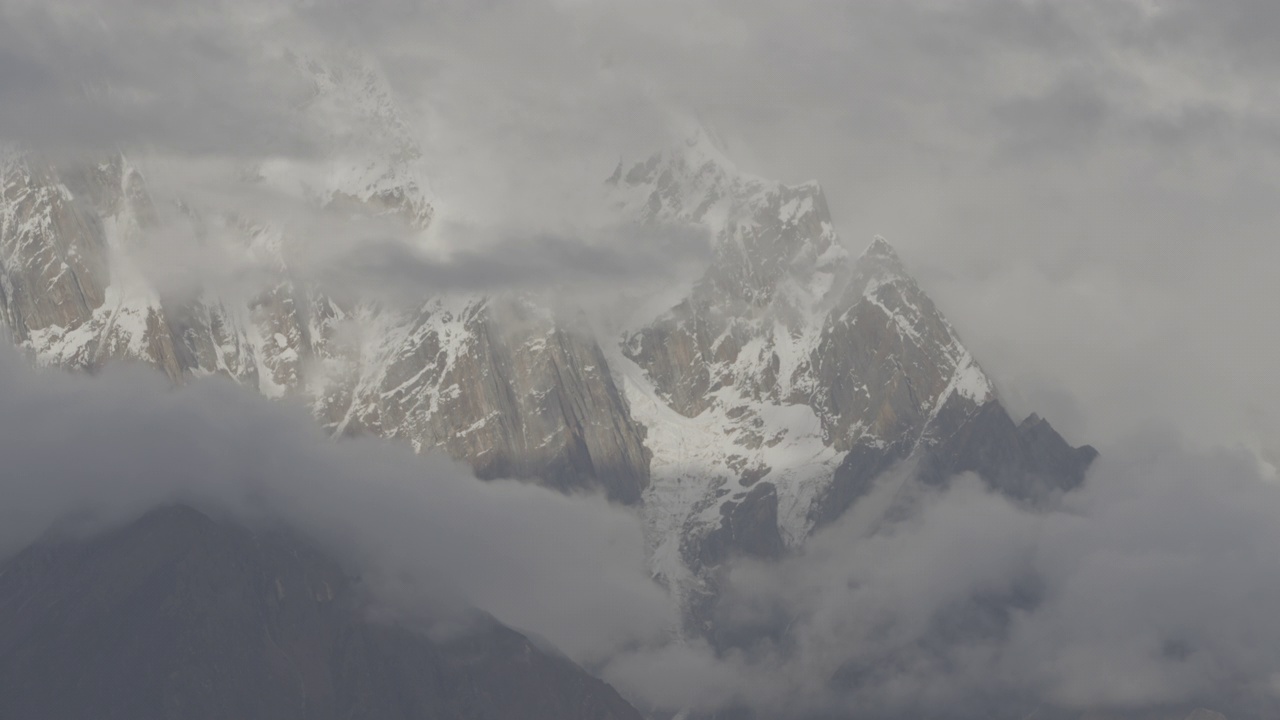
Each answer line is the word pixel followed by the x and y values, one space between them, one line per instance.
pixel 82 454
pixel 232 238
pixel 616 259
pixel 89 75
pixel 1152 588
pixel 208 100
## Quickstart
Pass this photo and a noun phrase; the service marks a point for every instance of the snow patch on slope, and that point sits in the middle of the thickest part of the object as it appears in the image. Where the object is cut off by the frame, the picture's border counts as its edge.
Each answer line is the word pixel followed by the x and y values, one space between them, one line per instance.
pixel 699 462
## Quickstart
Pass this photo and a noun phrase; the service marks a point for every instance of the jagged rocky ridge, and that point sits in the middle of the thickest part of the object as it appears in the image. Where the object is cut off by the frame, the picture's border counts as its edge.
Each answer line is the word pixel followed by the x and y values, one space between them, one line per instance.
pixel 178 615
pixel 497 381
pixel 793 376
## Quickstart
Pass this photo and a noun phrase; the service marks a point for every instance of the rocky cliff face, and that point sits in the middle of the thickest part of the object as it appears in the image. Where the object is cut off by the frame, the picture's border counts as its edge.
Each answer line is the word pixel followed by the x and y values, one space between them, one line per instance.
pixel 499 382
pixel 180 616
pixel 62 237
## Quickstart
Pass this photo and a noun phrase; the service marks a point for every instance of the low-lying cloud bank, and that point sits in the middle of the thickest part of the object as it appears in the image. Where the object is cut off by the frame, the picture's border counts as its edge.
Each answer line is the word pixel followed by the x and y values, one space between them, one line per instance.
pixel 79 454
pixel 1154 587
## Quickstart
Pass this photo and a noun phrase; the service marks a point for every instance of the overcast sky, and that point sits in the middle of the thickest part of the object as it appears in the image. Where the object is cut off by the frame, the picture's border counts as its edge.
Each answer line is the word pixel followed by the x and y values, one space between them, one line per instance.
pixel 1088 188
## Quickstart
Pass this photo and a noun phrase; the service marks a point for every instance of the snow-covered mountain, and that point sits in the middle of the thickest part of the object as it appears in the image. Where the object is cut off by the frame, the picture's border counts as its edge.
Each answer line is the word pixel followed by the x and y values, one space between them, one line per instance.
pixel 772 398
pixel 498 382
pixel 793 375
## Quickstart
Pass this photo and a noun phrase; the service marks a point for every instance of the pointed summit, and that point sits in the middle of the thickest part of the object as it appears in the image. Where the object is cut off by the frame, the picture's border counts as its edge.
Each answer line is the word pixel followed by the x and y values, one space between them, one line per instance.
pixel 881 248
pixel 878 265
pixel 881 256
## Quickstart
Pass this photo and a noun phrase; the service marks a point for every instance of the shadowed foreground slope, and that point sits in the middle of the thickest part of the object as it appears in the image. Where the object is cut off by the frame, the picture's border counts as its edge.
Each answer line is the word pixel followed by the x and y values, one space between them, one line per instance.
pixel 181 616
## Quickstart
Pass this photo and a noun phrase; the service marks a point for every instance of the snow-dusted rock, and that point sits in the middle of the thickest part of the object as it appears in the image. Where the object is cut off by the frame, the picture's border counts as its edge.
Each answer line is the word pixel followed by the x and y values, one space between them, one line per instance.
pixel 793 375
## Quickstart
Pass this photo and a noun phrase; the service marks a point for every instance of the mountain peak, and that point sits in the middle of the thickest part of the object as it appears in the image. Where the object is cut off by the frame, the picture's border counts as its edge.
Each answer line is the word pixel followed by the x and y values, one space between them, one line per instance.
pixel 881 249
pixel 878 265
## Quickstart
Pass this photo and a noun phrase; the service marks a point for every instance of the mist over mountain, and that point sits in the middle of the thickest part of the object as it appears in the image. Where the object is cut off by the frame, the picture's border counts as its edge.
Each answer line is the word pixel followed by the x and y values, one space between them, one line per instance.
pixel 435 360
